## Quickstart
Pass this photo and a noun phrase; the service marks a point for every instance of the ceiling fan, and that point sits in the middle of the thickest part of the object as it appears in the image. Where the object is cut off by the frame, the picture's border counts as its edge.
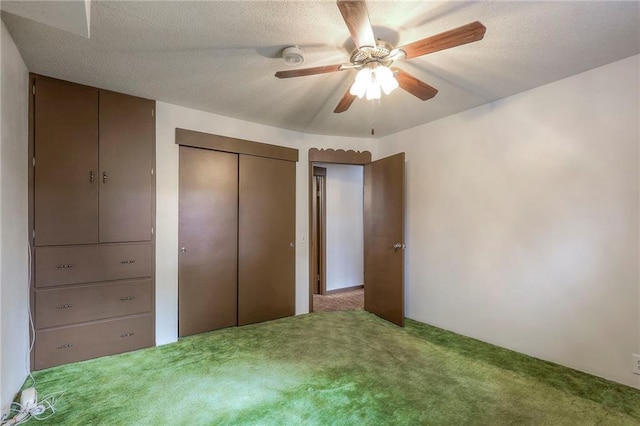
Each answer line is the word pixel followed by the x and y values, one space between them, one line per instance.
pixel 374 57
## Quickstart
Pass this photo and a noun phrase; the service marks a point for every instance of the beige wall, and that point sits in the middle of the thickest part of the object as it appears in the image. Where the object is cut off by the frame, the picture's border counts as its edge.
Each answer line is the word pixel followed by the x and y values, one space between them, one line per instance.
pixel 523 221
pixel 14 286
pixel 168 117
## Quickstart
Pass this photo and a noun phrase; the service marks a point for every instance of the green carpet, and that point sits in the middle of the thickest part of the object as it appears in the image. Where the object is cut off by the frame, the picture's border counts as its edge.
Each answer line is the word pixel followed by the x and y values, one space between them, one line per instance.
pixel 334 368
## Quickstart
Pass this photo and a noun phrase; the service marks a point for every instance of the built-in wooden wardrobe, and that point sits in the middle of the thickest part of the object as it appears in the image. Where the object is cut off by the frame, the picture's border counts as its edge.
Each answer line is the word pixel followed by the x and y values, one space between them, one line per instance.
pixel 91 221
pixel 237 232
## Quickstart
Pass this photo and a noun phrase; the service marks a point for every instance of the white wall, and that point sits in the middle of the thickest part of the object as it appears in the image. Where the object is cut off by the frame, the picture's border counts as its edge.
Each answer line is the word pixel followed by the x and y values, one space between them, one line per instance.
pixel 345 204
pixel 168 117
pixel 14 287
pixel 523 221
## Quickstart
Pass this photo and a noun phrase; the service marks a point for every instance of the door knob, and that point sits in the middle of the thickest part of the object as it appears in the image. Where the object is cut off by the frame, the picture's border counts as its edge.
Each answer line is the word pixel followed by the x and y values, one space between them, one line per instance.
pixel 183 249
pixel 291 245
pixel 398 246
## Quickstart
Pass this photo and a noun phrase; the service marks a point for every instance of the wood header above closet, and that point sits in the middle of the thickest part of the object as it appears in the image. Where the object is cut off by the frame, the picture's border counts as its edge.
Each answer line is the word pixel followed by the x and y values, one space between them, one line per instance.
pixel 239 146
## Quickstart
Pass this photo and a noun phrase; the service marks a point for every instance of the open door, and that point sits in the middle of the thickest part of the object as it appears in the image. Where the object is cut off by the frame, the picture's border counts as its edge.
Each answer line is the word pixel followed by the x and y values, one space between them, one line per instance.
pixel 384 238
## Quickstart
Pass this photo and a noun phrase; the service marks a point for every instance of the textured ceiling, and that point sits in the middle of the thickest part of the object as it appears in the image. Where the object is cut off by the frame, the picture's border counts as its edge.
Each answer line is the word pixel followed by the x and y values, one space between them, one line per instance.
pixel 221 56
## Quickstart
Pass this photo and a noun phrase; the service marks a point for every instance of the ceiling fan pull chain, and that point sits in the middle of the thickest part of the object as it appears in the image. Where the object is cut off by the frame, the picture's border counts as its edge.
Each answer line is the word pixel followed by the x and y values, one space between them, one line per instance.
pixel 373 112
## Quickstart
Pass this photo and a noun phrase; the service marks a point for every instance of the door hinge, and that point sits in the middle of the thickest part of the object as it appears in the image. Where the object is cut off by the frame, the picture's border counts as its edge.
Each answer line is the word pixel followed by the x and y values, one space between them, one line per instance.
pixel 33 89
pixel 33 234
pixel 152 112
pixel 152 230
pixel 33 161
pixel 152 171
pixel 318 277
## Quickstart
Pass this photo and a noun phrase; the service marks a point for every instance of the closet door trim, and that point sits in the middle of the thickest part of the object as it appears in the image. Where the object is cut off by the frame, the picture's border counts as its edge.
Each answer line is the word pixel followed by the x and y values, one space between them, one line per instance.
pixel 237 146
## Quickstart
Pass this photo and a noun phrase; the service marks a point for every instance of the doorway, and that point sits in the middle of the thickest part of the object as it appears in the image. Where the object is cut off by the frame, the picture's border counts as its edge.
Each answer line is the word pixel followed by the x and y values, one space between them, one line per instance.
pixel 383 214
pixel 337 236
pixel 336 208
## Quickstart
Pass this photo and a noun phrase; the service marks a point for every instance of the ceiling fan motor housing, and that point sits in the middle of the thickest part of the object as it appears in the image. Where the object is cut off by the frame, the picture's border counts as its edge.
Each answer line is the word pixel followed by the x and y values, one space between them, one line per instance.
pixel 364 55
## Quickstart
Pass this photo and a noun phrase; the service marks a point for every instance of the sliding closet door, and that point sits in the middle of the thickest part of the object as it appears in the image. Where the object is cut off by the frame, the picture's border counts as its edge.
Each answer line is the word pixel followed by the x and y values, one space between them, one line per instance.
pixel 208 240
pixel 266 269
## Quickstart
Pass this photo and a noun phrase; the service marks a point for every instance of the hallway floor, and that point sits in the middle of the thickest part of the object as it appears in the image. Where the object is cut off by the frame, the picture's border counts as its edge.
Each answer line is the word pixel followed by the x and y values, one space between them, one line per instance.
pixel 346 301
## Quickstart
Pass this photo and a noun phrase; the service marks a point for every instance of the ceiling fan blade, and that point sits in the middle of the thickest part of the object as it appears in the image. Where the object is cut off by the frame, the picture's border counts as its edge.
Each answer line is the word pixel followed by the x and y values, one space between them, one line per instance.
pixel 452 38
pixel 344 103
pixel 416 87
pixel 356 17
pixel 309 71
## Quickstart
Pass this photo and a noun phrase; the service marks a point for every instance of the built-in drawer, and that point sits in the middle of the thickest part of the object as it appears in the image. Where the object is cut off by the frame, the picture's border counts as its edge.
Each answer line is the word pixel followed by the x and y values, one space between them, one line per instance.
pixel 92 263
pixel 85 341
pixel 62 306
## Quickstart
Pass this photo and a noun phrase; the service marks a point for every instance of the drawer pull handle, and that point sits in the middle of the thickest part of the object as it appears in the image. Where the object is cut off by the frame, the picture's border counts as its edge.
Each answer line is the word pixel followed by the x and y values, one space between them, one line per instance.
pixel 65 346
pixel 124 262
pixel 66 266
pixel 127 298
pixel 66 306
pixel 127 334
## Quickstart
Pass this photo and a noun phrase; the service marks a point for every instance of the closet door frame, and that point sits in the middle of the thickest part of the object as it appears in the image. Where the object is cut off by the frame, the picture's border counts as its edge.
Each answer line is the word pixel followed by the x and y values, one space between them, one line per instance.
pixel 235 146
pixel 193 139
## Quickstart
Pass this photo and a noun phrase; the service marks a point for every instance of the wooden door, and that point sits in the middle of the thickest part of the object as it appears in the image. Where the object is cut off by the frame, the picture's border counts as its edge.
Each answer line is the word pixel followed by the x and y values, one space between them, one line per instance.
pixel 319 232
pixel 127 128
pixel 66 168
pixel 208 239
pixel 384 238
pixel 266 251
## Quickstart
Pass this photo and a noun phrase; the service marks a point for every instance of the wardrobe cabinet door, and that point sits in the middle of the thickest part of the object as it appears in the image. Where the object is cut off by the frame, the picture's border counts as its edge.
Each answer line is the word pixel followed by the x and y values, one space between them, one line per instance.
pixel 126 159
pixel 266 252
pixel 66 169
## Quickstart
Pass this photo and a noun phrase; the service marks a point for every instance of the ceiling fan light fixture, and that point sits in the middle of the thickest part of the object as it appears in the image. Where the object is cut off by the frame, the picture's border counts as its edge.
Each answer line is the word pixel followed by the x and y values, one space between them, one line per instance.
pixel 293 56
pixel 373 90
pixel 361 83
pixel 386 80
pixel 372 80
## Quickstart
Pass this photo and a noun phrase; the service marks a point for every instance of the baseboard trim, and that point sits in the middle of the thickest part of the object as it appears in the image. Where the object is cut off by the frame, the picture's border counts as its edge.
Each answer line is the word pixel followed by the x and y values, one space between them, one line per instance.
pixel 343 290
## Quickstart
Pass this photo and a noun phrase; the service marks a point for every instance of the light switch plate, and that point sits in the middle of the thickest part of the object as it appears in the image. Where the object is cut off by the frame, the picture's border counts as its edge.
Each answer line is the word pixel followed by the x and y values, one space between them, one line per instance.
pixel 636 363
